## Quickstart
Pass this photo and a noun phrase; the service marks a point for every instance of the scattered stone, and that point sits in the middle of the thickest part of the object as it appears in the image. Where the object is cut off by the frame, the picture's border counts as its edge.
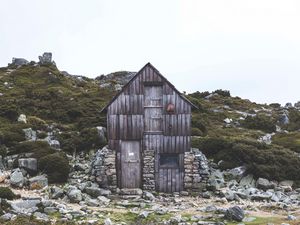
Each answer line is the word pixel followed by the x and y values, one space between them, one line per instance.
pixel 56 192
pixel 41 216
pixel 28 164
pixel 133 191
pixel 22 118
pixel 19 62
pixel 107 221
pixel 75 195
pixel 30 135
pixel 38 182
pixel 17 178
pixel 235 213
pixel 291 217
pixel 264 184
pixel 25 206
pixel 148 196
pixel 46 58
pixel 144 214
pixel 6 217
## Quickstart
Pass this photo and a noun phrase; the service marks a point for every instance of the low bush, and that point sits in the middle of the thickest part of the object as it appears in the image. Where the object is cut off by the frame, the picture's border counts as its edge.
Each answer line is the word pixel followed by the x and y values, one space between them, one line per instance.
pixel 38 148
pixel 56 166
pixel 36 123
pixel 12 134
pixel 260 122
pixel 223 93
pixel 290 140
pixel 7 193
pixel 3 151
pixel 196 132
pixel 268 161
pixel 211 145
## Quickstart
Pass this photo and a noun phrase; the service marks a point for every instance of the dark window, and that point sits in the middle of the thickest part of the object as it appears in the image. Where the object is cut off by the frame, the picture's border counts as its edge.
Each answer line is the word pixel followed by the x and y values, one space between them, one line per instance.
pixel 169 161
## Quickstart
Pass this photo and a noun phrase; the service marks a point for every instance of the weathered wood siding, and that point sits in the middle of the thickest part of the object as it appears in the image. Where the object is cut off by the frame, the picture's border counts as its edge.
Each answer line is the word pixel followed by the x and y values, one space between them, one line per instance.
pixel 139 113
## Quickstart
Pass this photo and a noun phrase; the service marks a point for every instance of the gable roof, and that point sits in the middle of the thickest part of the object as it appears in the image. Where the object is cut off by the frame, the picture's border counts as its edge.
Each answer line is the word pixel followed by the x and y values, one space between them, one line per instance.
pixel 137 74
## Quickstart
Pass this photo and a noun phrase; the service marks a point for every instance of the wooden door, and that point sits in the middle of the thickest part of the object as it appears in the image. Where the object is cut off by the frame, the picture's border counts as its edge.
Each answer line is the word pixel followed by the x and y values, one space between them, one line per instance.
pixel 130 164
pixel 153 109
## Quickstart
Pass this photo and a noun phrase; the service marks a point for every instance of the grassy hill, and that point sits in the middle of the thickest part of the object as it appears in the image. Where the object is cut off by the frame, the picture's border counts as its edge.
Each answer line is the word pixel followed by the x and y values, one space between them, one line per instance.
pixel 227 129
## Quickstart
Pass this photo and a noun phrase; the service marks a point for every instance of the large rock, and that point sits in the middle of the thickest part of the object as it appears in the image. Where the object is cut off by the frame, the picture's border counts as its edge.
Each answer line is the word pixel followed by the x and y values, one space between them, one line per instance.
pixel 95 192
pixel 19 61
pixel 22 118
pixel 102 133
pixel 25 206
pixel 17 179
pixel 38 182
pixel 284 118
pixel 235 213
pixel 264 184
pixel 128 191
pixel 74 195
pixel 235 173
pixel 247 181
pixel 56 192
pixel 46 58
pixel 30 134
pixel 28 164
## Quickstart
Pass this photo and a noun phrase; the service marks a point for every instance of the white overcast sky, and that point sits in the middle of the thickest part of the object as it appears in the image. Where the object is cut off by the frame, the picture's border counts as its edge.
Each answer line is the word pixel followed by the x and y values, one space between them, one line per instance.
pixel 250 47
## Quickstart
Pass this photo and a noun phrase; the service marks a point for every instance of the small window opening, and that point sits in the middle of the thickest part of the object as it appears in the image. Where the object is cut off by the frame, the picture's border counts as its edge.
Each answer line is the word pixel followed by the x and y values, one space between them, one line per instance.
pixel 169 161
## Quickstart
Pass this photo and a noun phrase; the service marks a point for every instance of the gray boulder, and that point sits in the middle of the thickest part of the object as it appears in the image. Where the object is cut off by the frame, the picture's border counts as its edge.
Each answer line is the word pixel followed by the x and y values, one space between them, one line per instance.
pixel 102 134
pixel 264 184
pixel 261 196
pixel 7 217
pixel 19 61
pixel 235 213
pixel 38 182
pixel 46 58
pixel 247 181
pixel 284 118
pixel 95 192
pixel 127 191
pixel 30 134
pixel 28 164
pixel 74 195
pixel 17 179
pixel 297 105
pixel 235 173
pixel 56 192
pixel 41 216
pixel 25 206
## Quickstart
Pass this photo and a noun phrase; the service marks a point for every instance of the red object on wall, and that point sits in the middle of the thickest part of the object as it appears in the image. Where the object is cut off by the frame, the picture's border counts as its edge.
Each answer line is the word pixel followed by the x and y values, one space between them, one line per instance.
pixel 171 108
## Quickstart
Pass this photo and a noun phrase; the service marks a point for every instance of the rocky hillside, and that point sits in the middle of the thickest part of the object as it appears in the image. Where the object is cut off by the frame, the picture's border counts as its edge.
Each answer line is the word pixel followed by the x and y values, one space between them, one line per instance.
pixel 41 103
pixel 50 124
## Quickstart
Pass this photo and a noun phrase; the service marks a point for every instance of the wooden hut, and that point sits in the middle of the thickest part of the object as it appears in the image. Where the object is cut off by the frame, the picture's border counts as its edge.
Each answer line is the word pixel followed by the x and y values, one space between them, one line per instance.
pixel 148 125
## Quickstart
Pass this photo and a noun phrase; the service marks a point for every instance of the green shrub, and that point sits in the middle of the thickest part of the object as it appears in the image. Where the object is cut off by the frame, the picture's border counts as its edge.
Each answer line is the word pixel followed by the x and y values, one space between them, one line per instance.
pixel 89 139
pixel 56 166
pixel 7 193
pixel 11 134
pixel 38 148
pixel 260 122
pixel 41 135
pixel 290 140
pixel 36 123
pixel 223 93
pixel 196 132
pixel 294 116
pixel 3 151
pixel 199 94
pixel 211 145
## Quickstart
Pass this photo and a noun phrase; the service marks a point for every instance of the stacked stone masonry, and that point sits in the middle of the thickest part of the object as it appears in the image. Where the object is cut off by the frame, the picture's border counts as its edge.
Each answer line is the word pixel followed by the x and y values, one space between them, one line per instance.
pixel 196 171
pixel 148 171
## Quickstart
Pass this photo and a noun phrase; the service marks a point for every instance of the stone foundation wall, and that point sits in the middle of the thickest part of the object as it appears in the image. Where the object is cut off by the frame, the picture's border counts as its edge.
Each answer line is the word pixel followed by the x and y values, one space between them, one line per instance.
pixel 104 168
pixel 196 171
pixel 148 170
